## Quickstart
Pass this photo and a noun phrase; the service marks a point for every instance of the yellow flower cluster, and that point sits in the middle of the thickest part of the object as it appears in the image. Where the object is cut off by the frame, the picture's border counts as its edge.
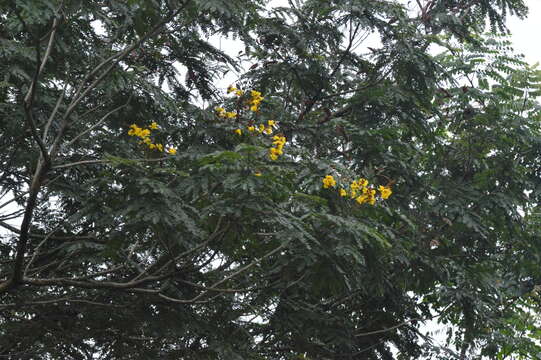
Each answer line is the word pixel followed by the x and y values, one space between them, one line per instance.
pixel 278 143
pixel 225 114
pixel 356 185
pixel 262 128
pixel 253 103
pixel 360 190
pixel 368 196
pixel 255 100
pixel 221 112
pixel 385 191
pixel 328 182
pixel 144 135
pixel 237 92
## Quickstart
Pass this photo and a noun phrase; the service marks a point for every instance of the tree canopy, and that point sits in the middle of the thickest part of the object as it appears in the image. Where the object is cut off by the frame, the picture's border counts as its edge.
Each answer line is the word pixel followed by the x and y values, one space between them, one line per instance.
pixel 372 169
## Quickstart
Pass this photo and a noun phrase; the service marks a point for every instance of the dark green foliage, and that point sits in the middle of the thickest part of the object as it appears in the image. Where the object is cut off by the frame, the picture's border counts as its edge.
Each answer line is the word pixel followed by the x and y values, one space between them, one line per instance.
pixel 111 250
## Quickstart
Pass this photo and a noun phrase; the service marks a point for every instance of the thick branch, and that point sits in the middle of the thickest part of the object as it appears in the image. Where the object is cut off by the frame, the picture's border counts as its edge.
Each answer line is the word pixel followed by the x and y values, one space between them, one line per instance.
pixel 41 236
pixel 55 301
pixel 91 284
pixel 16 276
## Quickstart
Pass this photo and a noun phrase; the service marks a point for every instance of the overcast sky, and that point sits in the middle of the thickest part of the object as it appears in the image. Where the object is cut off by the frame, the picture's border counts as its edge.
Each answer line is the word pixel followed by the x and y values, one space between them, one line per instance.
pixel 526 33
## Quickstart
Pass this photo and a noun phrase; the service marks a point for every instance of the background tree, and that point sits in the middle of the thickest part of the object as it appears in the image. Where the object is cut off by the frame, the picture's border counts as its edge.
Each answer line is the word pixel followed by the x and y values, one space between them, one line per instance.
pixel 160 217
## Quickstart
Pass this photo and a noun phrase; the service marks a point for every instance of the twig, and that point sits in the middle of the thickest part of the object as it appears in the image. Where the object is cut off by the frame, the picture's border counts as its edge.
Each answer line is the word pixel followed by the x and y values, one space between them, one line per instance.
pixel 53 114
pixel 239 271
pixel 213 236
pixel 390 328
pixel 36 251
pixel 15 198
pixel 404 323
pixel 103 161
pixel 96 124
pixel 214 287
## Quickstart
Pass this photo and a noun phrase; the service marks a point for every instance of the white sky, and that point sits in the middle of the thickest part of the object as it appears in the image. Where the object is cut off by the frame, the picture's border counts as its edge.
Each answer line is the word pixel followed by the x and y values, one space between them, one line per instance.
pixel 526 34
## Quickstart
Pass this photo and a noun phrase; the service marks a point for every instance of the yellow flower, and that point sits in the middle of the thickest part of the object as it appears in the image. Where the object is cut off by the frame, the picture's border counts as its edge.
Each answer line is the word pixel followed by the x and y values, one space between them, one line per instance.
pixel 172 151
pixel 385 191
pixel 255 93
pixel 239 92
pixel 257 173
pixel 363 182
pixel 343 192
pixel 274 151
pixel 366 199
pixel 151 146
pixel 159 147
pixel 368 191
pixel 261 128
pixel 153 125
pixel 221 111
pixel 144 133
pixel 251 128
pixel 368 194
pixel 273 156
pixel 231 88
pixel 328 182
pixel 238 131
pixel 230 115
pixel 134 130
pixel 271 123
pixel 268 131
pixel 362 199
pixel 254 108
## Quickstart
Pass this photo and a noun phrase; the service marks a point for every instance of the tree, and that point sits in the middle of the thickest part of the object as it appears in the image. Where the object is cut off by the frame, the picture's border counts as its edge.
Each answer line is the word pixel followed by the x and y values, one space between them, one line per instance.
pixel 335 198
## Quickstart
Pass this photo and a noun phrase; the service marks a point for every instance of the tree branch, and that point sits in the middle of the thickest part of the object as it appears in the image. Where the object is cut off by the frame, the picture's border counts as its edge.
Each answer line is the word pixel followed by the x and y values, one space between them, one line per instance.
pixel 53 114
pixel 85 162
pixel 29 98
pixel 54 301
pixel 97 124
pixel 239 271
pixel 16 276
pixel 113 61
